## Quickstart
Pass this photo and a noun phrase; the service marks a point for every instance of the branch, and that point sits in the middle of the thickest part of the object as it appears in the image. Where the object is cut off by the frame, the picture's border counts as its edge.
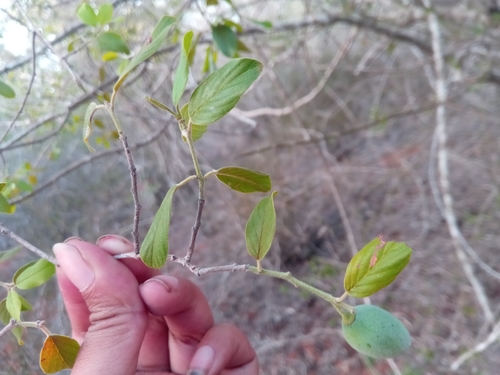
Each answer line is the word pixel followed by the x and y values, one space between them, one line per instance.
pixel 7 232
pixel 133 189
pixel 441 134
pixel 33 74
pixel 83 161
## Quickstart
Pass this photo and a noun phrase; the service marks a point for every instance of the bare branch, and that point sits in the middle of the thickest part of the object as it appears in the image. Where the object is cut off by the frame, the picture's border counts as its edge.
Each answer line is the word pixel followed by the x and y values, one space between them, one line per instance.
pixel 33 74
pixel 196 228
pixel 7 232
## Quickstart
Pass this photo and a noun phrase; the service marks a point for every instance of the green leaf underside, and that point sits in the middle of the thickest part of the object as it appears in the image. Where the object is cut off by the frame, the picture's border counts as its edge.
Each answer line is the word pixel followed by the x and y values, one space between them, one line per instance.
pixel 6 90
pixel 112 42
pixel 5 207
pixel 87 125
pixel 58 353
pixel 7 254
pixel 157 37
pixel 375 266
pixel 5 318
pixel 154 248
pixel 105 14
pixel 217 94
pixel 197 131
pixel 182 72
pixel 244 180
pixel 34 274
pixel 226 39
pixel 260 228
pixel 87 15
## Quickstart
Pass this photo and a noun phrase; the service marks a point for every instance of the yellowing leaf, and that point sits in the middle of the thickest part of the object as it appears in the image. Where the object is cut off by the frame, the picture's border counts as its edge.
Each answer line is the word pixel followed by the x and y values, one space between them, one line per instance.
pixel 58 353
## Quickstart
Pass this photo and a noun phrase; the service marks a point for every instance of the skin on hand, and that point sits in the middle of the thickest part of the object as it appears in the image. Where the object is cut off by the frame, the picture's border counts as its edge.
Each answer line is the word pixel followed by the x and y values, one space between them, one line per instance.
pixel 132 320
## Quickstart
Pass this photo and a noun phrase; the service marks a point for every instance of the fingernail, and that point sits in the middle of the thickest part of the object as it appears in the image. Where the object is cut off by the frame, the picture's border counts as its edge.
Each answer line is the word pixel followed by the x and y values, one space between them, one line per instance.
pixel 115 244
pixel 74 265
pixel 202 361
pixel 168 282
pixel 72 238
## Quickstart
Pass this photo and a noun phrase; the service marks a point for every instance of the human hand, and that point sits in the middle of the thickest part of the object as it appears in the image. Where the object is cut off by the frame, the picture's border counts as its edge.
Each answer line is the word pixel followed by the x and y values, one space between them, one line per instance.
pixel 129 319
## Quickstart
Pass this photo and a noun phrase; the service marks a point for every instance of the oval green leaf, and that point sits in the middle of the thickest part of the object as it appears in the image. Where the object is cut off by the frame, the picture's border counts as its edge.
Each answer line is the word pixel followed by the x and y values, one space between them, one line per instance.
pixel 6 90
pixel 154 248
pixel 87 15
pixel 260 228
pixel 34 274
pixel 226 39
pixel 105 14
pixel 157 37
pixel 375 266
pixel 58 353
pixel 244 180
pixel 112 42
pixel 217 94
pixel 5 206
pixel 182 72
pixel 5 319
pixel 14 304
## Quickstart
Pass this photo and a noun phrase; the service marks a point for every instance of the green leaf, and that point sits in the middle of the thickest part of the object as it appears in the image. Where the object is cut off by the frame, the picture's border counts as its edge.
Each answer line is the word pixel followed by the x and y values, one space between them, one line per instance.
pixel 87 15
pixel 6 90
pixel 2 185
pixel 5 319
pixel 182 72
pixel 109 56
pixel 7 254
pixel 5 207
pixel 192 51
pixel 266 24
pixel 260 228
pixel 242 47
pixel 157 37
pixel 226 39
pixel 212 2
pixel 375 266
pixel 154 248
pixel 87 125
pixel 58 353
pixel 105 14
pixel 112 42
pixel 236 25
pixel 34 274
pixel 14 304
pixel 197 131
pixel 24 186
pixel 25 305
pixel 217 94
pixel 244 180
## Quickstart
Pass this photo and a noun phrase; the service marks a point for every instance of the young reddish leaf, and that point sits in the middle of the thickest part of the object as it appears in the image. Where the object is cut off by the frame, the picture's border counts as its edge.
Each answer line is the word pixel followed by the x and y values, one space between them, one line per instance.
pixel 34 274
pixel 260 228
pixel 112 42
pixel 154 248
pixel 58 353
pixel 244 180
pixel 375 266
pixel 182 72
pixel 105 13
pixel 87 15
pixel 6 90
pixel 217 94
pixel 5 207
pixel 157 37
pixel 226 39
pixel 7 254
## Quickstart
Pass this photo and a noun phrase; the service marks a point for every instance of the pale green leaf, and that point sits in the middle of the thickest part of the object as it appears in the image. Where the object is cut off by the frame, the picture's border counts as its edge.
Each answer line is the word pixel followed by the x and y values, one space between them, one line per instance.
pixel 154 248
pixel 182 72
pixel 260 228
pixel 112 42
pixel 6 90
pixel 197 131
pixel 7 254
pixel 87 14
pixel 5 207
pixel 34 274
pixel 105 13
pixel 14 304
pixel 217 94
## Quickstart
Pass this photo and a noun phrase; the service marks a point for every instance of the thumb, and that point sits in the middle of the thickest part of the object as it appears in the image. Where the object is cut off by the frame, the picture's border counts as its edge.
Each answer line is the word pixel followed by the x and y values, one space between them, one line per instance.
pixel 117 316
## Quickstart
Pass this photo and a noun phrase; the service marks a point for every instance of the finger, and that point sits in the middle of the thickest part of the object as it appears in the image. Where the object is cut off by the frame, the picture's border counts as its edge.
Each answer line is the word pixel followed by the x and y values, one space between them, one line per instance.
pixel 117 317
pixel 115 244
pixel 224 347
pixel 186 312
